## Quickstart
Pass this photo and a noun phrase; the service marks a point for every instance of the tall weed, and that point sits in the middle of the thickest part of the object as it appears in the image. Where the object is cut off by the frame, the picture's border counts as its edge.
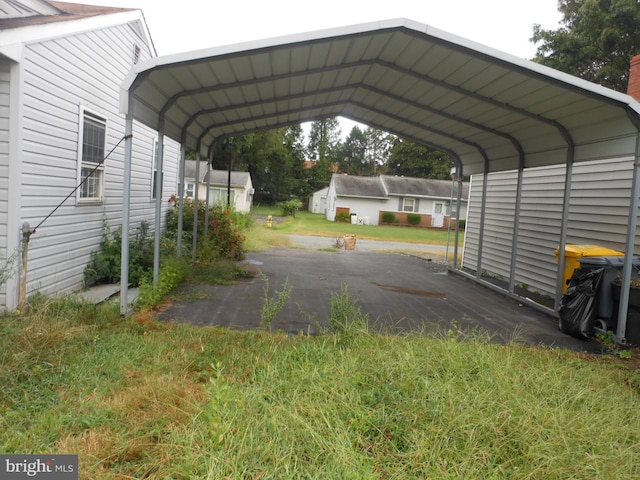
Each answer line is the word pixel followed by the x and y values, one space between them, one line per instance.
pixel 272 305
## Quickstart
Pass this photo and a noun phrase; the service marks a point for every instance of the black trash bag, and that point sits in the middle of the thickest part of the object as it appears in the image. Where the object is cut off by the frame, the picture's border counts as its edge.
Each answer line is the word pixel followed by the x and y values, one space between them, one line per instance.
pixel 578 304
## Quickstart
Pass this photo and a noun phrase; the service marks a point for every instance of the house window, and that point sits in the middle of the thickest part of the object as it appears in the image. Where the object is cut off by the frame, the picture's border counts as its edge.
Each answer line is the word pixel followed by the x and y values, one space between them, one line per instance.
pixel 91 171
pixel 155 168
pixel 218 196
pixel 189 189
pixel 408 204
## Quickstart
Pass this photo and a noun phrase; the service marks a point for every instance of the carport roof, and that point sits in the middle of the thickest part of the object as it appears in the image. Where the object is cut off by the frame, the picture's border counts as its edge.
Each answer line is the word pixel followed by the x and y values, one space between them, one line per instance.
pixel 486 108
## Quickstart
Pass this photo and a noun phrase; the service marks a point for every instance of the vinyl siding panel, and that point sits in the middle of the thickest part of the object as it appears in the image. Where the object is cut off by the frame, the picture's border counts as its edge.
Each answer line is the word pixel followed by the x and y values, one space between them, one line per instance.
pixel 598 215
pixel 62 76
pixel 5 85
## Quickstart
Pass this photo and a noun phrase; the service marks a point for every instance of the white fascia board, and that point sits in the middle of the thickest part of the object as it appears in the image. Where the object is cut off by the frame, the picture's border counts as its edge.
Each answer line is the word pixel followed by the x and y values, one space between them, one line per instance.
pixel 38 33
pixel 362 196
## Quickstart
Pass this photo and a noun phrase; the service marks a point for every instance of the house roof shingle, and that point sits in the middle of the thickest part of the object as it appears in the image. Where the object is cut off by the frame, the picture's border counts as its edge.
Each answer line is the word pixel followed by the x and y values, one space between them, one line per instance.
pixel 385 185
pixel 218 177
pixel 421 187
pixel 348 185
pixel 67 11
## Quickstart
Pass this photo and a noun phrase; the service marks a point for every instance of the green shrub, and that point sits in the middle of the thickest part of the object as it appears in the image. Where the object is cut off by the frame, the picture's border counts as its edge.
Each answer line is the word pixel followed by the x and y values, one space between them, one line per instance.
pixel 290 207
pixel 343 217
pixel 172 272
pixel 388 217
pixel 224 239
pixel 414 218
pixel 105 263
pixel 462 224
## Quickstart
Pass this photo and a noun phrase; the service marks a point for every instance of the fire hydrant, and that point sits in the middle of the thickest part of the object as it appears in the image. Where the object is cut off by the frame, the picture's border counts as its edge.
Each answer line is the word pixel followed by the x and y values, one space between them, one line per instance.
pixel 269 221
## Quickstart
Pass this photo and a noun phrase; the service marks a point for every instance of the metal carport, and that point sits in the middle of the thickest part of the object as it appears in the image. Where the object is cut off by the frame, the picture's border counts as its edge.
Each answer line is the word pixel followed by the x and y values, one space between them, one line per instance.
pixel 489 110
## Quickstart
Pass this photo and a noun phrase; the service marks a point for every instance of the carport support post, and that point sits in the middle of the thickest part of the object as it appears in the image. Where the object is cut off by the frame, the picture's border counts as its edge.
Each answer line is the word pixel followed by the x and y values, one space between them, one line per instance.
pixel 516 228
pixel 483 213
pixel 126 202
pixel 180 200
pixel 206 199
pixel 194 245
pixel 563 227
pixel 623 307
pixel 457 235
pixel 158 192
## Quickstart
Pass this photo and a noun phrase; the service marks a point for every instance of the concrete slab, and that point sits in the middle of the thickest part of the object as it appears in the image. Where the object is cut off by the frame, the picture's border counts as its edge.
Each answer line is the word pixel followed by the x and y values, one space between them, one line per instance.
pixel 102 293
pixel 397 292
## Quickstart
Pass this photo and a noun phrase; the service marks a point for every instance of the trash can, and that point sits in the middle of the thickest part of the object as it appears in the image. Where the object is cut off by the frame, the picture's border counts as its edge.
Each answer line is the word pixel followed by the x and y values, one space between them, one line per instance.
pixel 574 252
pixel 612 271
pixel 354 218
pixel 349 241
pixel 632 334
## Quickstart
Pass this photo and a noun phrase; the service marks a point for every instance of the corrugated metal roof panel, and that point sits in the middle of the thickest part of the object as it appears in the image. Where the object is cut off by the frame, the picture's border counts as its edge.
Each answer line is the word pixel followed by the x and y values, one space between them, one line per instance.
pixel 481 106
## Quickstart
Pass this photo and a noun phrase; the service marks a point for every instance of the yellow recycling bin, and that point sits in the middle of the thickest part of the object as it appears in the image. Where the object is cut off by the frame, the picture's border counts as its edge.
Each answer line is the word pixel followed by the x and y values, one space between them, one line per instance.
pixel 573 253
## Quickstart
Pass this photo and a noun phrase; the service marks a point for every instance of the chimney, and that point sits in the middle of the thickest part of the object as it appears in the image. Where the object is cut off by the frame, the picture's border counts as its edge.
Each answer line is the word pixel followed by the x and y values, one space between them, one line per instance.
pixel 633 88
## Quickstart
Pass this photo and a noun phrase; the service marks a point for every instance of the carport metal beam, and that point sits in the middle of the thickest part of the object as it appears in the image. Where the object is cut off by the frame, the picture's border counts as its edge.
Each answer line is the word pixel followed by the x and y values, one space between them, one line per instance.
pixel 623 306
pixel 126 204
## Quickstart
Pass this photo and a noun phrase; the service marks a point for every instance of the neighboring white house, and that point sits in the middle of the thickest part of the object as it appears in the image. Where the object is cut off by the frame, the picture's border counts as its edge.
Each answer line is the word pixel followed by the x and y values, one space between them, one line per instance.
pixel 241 187
pixel 61 69
pixel 367 198
pixel 318 201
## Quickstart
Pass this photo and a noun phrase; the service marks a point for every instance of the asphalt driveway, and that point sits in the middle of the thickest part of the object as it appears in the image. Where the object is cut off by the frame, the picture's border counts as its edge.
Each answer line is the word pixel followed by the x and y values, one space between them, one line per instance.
pixel 399 292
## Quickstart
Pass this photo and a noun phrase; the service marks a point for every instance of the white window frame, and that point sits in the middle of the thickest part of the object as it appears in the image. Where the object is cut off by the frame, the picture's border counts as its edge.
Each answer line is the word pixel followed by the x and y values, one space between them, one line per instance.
pixel 218 196
pixel 405 205
pixel 95 183
pixel 186 189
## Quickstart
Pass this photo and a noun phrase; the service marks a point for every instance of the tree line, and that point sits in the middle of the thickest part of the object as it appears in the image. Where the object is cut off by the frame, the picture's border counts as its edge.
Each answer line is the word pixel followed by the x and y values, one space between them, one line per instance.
pixel 595 41
pixel 288 163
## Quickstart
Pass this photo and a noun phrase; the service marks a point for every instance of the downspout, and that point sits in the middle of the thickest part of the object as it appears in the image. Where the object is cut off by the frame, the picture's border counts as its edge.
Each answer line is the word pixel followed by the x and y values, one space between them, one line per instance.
pixel 158 193
pixel 126 204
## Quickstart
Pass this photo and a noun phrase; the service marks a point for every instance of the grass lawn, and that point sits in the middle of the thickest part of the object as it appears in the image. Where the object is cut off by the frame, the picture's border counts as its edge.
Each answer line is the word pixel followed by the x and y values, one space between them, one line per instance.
pixel 135 398
pixel 139 399
pixel 307 223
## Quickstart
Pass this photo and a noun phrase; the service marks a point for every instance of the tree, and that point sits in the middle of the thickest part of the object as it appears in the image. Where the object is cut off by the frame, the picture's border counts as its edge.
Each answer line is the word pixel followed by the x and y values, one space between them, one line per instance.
pixel 274 158
pixel 324 136
pixel 378 147
pixel 596 41
pixel 412 160
pixel 352 159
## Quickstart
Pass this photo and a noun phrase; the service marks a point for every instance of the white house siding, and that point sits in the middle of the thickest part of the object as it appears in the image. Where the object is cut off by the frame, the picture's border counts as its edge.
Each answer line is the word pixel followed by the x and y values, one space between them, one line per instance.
pixel 5 89
pixel 240 196
pixel 366 207
pixel 597 215
pixel 318 201
pixel 330 213
pixel 60 76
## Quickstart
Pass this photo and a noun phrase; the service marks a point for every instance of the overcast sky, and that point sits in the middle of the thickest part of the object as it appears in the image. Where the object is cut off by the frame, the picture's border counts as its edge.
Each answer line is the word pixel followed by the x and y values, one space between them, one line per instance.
pixel 185 25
